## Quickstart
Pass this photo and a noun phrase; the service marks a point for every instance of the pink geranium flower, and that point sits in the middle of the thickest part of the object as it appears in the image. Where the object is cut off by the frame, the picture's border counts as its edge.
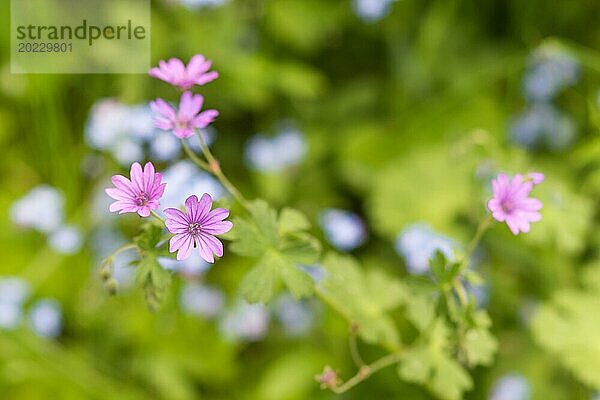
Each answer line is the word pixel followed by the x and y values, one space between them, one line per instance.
pixel 511 202
pixel 140 194
pixel 196 227
pixel 184 77
pixel 183 121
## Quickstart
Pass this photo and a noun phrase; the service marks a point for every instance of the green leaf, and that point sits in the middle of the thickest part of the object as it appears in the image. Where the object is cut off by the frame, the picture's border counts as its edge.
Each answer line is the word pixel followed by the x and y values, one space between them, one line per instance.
pixel 450 380
pixel 297 281
pixel 388 293
pixel 279 245
pixel 568 216
pixel 265 219
pixel 479 346
pixel 431 364
pixel 415 366
pixel 248 241
pixel 302 248
pixel 263 281
pixel 420 310
pixel 415 187
pixel 291 221
pixel 149 237
pixel 568 327
pixel 444 270
pixel 253 236
pixel 153 278
pixel 364 298
pixel 260 284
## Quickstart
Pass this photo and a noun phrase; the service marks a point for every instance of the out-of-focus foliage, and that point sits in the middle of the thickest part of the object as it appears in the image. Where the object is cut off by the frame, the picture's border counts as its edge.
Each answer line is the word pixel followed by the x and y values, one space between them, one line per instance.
pixel 405 111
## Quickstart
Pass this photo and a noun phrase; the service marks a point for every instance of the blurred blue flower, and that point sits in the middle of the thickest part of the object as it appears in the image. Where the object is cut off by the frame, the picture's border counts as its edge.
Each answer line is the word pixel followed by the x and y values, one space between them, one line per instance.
pixel 10 315
pixel 165 146
pixel 195 4
pixel 13 292
pixel 372 10
pixel 127 151
pixel 275 154
pixel 201 300
pixel 246 322
pixel 45 318
pixel 120 129
pixel 296 317
pixel 542 125
pixel 417 243
pixel 42 208
pixel 184 179
pixel 345 230
pixel 551 71
pixel 66 239
pixel 208 134
pixel 511 387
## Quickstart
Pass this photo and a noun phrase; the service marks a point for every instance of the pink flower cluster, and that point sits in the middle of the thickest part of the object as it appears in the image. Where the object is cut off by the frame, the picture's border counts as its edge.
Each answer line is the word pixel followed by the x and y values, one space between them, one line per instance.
pixel 511 202
pixel 184 120
pixel 141 192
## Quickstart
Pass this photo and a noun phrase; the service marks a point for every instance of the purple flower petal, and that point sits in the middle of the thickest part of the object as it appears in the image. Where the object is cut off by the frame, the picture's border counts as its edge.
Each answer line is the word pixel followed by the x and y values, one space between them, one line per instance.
pixel 199 224
pixel 141 194
pixel 511 203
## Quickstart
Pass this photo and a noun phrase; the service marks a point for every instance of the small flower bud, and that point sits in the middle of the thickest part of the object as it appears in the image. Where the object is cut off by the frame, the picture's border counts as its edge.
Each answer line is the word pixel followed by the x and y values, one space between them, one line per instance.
pixel 328 379
pixel 111 286
pixel 106 272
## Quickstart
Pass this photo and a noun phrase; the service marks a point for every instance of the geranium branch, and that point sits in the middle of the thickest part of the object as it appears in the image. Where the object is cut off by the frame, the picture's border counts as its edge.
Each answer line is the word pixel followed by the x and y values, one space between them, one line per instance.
pixel 214 168
pixel 367 370
pixel 190 153
pixel 353 344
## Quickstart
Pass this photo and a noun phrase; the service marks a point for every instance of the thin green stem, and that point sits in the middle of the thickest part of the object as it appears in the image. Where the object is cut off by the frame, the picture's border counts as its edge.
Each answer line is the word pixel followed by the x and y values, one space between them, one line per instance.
pixel 353 344
pixel 158 217
pixel 215 168
pixel 125 247
pixel 190 153
pixel 459 287
pixel 367 370
pixel 481 229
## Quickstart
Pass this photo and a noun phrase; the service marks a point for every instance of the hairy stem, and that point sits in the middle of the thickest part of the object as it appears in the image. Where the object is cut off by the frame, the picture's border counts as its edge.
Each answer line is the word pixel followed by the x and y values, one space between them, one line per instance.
pixel 367 370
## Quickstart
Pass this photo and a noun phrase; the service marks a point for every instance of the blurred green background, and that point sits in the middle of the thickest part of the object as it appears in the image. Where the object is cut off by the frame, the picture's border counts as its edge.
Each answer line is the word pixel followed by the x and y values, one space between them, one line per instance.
pixel 404 110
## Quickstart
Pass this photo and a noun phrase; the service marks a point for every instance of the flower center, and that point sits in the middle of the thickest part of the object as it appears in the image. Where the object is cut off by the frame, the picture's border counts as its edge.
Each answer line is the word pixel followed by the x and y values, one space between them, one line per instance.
pixel 507 206
pixel 141 199
pixel 179 124
pixel 194 229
